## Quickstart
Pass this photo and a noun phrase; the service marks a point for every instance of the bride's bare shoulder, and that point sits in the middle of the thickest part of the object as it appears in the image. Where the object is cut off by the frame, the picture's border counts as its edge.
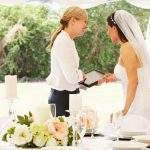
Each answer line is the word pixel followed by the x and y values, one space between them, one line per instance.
pixel 128 53
pixel 127 48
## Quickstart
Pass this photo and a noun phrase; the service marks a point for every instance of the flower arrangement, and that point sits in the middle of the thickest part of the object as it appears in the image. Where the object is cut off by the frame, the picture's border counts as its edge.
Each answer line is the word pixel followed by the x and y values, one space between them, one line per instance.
pixel 28 134
pixel 91 118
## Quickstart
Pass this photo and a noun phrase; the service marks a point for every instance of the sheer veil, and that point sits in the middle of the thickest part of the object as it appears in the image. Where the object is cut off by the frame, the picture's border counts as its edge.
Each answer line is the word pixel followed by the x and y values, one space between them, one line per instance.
pixel 130 27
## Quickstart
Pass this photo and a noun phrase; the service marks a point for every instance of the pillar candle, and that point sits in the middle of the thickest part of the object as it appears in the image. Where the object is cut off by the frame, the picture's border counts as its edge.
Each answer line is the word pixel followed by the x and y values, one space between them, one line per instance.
pixel 75 102
pixel 11 86
pixel 42 113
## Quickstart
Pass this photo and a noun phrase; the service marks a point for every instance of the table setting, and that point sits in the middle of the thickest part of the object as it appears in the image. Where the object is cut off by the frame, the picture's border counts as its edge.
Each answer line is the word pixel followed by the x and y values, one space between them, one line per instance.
pixel 99 141
pixel 41 129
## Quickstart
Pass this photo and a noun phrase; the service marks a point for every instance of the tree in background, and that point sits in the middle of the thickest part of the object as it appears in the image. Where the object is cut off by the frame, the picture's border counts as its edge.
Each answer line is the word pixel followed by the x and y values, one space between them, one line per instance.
pixel 26 55
pixel 95 48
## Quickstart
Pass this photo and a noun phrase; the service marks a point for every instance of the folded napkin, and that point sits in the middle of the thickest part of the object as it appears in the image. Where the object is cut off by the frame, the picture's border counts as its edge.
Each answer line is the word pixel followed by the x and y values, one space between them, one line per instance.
pixel 130 122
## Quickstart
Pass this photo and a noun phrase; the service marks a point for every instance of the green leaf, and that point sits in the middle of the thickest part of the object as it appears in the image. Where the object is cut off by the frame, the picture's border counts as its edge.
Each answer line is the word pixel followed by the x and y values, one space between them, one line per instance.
pixel 11 130
pixel 61 119
pixel 20 118
pixel 23 120
pixel 78 136
pixel 26 118
pixel 4 138
pixel 30 114
pixel 70 136
pixel 70 130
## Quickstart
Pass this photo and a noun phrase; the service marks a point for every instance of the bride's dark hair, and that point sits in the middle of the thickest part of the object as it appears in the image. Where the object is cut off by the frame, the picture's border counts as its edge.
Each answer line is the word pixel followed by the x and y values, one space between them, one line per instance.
pixel 111 22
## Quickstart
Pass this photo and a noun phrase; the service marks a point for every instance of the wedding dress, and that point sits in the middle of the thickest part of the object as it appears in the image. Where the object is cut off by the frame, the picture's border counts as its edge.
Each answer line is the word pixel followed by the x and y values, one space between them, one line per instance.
pixel 138 116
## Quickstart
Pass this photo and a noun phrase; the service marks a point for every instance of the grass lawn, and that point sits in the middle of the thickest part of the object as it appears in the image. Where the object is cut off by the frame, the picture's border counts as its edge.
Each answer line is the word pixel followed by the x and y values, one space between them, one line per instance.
pixel 105 99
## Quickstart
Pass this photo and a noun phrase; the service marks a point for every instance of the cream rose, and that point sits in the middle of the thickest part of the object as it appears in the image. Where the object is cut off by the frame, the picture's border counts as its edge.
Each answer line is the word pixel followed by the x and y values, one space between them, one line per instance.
pixel 21 135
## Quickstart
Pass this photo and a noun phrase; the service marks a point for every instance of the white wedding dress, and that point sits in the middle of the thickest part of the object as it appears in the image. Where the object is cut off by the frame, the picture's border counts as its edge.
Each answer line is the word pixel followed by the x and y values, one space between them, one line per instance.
pixel 138 116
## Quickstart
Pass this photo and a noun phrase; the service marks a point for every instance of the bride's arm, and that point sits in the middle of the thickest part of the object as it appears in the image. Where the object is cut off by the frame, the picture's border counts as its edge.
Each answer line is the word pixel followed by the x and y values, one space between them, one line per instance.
pixel 131 63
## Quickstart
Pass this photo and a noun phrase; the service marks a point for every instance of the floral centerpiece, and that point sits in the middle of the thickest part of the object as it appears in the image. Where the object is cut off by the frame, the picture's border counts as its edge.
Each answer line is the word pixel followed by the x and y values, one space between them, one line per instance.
pixel 91 118
pixel 28 134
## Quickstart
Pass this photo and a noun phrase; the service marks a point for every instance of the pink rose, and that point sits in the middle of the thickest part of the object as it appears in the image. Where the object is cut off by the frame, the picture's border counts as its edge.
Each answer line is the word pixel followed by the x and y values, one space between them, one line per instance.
pixel 58 129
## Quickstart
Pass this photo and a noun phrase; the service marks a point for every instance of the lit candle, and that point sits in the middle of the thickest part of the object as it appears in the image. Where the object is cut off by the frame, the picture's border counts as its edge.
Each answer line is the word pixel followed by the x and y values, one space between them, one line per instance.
pixel 11 86
pixel 75 102
pixel 42 113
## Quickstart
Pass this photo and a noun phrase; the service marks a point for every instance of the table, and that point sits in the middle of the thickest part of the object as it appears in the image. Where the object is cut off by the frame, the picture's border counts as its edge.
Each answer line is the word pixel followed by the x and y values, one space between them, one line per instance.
pixel 96 143
pixel 100 142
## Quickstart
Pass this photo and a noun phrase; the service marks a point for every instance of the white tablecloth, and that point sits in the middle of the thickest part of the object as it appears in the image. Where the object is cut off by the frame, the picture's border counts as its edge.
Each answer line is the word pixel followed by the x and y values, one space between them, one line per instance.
pixel 97 143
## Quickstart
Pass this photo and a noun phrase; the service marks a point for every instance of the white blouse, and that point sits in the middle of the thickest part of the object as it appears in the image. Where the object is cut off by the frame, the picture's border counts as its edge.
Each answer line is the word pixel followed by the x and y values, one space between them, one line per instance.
pixel 65 74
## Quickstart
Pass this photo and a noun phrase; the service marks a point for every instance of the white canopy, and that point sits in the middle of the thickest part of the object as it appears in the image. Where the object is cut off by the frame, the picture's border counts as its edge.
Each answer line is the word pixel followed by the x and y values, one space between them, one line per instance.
pixel 82 3
pixel 140 3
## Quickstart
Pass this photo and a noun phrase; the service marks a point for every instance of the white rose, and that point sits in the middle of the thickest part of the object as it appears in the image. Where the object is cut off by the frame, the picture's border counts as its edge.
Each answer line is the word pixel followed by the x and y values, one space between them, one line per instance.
pixel 51 142
pixel 64 142
pixel 39 140
pixel 21 135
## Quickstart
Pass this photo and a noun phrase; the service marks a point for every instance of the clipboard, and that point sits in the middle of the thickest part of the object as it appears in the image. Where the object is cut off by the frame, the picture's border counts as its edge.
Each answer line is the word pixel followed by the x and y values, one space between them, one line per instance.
pixel 92 78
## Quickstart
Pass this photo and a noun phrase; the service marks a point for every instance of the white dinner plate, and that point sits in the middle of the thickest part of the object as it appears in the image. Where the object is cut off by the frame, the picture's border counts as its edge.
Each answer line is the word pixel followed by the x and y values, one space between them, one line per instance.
pixel 143 138
pixel 130 133
pixel 127 145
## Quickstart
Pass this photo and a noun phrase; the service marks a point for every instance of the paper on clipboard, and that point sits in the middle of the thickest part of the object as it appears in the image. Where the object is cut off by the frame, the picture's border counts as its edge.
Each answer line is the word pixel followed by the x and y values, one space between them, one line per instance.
pixel 92 78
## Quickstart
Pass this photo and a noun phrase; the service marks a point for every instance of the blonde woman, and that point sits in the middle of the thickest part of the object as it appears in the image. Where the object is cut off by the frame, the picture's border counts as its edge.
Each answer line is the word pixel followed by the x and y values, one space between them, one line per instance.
pixel 65 74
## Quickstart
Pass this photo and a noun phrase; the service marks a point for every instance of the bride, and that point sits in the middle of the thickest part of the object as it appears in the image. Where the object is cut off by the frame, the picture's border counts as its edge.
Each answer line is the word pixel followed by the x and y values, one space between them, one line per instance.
pixel 132 69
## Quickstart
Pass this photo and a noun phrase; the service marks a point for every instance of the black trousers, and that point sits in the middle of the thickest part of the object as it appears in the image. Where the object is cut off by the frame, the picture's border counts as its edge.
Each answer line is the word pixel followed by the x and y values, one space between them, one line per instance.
pixel 61 100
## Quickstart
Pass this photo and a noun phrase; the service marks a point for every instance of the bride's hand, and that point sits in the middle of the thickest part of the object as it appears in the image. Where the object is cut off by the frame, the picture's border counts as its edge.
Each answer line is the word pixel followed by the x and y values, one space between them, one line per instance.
pixel 104 79
pixel 124 112
pixel 111 78
pixel 118 114
pixel 115 116
pixel 108 78
pixel 101 81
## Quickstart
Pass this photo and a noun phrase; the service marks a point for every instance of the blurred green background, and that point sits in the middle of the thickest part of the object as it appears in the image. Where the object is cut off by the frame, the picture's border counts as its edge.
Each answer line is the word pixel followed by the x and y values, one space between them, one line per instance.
pixel 25 33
